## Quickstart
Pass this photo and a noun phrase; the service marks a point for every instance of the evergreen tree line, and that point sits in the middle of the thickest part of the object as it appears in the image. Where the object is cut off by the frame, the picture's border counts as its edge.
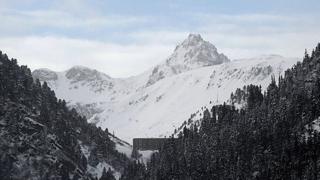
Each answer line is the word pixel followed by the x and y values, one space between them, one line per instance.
pixel 271 137
pixel 40 138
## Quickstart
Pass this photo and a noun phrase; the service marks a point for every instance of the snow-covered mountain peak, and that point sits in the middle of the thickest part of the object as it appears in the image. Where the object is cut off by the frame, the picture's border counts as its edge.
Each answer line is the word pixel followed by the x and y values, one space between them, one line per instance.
pixel 80 79
pixel 196 52
pixel 82 73
pixel 192 53
pixel 44 74
pixel 192 40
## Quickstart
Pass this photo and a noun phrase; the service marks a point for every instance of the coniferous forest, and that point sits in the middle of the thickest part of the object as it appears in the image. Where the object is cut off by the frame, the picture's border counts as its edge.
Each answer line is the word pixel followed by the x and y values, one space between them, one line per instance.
pixel 272 137
pixel 40 138
pixel 159 90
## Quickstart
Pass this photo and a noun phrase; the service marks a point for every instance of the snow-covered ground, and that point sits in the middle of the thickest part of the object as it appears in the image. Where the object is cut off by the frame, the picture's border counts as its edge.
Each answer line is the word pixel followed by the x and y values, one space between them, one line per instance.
pixel 122 146
pixel 313 127
pixel 159 100
pixel 96 171
pixel 146 155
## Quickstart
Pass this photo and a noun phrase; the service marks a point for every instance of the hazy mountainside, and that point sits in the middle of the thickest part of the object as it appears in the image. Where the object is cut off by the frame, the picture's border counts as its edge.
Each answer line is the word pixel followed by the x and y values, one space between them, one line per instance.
pixel 274 136
pixel 40 138
pixel 158 101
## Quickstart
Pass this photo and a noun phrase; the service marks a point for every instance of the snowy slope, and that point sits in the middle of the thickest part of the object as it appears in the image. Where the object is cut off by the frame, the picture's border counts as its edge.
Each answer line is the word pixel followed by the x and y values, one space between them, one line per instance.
pixel 157 101
pixel 122 146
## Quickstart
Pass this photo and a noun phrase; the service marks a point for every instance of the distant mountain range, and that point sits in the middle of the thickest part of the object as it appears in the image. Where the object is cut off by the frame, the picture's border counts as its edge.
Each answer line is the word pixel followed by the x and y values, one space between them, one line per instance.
pixel 158 101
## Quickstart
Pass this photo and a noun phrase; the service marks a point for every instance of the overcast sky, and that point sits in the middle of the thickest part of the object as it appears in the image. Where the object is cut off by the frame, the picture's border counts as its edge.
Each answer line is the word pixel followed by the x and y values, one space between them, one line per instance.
pixel 125 37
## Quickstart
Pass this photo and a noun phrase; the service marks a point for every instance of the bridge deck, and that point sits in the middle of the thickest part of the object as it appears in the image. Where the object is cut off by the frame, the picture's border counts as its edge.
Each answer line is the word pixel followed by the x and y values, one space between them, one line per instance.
pixel 148 143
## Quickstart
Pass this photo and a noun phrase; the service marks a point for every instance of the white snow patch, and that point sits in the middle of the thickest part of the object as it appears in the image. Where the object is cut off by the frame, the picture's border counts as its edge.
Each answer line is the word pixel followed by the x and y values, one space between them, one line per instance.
pixel 85 150
pixel 97 171
pixel 146 155
pixel 122 146
pixel 314 126
pixel 33 121
pixel 124 149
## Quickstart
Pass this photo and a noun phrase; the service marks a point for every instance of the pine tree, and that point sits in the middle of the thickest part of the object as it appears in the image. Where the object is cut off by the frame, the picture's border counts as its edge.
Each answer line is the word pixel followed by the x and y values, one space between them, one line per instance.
pixel 107 175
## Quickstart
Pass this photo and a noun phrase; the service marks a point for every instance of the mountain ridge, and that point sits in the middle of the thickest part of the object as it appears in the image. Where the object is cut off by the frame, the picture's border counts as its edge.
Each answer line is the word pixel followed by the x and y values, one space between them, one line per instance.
pixel 133 107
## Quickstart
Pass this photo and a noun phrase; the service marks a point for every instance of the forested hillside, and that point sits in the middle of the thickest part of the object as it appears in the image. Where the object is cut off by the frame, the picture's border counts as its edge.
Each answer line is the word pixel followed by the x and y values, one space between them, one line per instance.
pixel 40 138
pixel 274 136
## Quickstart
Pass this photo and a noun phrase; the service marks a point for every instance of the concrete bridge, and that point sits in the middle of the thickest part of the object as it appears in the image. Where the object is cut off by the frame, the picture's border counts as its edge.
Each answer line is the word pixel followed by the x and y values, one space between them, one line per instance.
pixel 143 144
